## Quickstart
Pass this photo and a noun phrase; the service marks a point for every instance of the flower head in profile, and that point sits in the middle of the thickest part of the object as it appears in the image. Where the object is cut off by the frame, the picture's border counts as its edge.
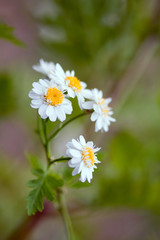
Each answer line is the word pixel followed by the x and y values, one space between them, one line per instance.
pixel 44 67
pixel 83 158
pixel 70 83
pixel 50 100
pixel 102 112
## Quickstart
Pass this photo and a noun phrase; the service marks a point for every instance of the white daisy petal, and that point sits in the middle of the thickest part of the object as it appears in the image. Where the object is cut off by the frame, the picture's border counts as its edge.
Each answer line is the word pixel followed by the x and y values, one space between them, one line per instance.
pixel 74 153
pixel 69 145
pixel 34 106
pixel 67 109
pixel 38 91
pixel 60 114
pixel 83 175
pixel 49 98
pixel 83 158
pixel 112 119
pixel 42 109
pixel 75 160
pixel 76 144
pixel 96 149
pixel 60 69
pixel 102 112
pixel 71 93
pixel 81 166
pixel 33 95
pixel 49 109
pixel 71 84
pixel 82 140
pixel 72 73
pixel 44 82
pixel 75 171
pixel 94 116
pixel 84 85
pixel 53 115
pixel 90 144
pixel 88 105
pixel 44 67
pixel 37 101
pixel 68 73
pixel 72 165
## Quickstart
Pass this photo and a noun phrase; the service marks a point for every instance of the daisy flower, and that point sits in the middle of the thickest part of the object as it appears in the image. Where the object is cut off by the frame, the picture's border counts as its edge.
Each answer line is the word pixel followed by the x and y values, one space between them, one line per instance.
pixel 83 158
pixel 50 100
pixel 71 83
pixel 102 112
pixel 44 67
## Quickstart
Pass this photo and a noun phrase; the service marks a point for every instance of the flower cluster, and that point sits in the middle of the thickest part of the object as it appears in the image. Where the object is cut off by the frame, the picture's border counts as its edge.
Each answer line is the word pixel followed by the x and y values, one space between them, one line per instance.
pixel 51 95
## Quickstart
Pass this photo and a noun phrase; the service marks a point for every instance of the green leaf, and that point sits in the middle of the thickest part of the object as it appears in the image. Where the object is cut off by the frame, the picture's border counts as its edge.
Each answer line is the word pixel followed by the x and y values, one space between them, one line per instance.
pixel 37 172
pixel 6 32
pixel 34 161
pixel 43 186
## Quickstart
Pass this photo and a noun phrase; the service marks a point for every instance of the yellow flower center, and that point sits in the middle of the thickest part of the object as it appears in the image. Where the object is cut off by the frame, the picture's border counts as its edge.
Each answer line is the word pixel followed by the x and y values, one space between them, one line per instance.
pixel 104 107
pixel 88 156
pixel 74 83
pixel 54 96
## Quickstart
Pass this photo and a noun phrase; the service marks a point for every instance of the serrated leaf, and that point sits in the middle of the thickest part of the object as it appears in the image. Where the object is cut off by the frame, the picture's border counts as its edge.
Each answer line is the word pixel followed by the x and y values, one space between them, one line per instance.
pixel 43 186
pixel 48 191
pixel 55 180
pixel 37 172
pixel 35 201
pixel 32 183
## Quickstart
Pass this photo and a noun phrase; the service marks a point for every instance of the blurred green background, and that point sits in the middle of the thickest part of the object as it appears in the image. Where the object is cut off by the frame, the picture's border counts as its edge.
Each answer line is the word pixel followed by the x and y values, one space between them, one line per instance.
pixel 113 46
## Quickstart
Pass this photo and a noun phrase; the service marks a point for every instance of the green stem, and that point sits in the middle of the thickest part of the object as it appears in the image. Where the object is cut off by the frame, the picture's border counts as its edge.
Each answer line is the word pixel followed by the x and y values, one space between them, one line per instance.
pixel 65 215
pixel 59 160
pixel 46 144
pixel 62 207
pixel 65 124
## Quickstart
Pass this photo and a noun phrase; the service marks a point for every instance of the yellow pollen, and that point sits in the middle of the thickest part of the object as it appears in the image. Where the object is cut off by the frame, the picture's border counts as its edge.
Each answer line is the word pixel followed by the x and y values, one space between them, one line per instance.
pixel 74 83
pixel 88 157
pixel 104 108
pixel 54 96
pixel 102 101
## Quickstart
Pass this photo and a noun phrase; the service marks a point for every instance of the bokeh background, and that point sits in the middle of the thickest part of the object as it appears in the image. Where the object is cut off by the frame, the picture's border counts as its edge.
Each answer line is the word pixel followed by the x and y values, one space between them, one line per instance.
pixel 113 46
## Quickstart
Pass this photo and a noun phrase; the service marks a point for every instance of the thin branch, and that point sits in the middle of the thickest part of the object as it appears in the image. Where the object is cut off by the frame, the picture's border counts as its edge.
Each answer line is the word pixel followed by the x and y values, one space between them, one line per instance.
pixel 60 160
pixel 66 123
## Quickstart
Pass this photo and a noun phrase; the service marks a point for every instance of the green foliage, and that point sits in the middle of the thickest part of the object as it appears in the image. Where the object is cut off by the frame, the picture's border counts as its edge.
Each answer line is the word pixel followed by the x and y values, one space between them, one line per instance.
pixel 99 39
pixel 51 127
pixel 43 186
pixel 131 177
pixel 7 98
pixel 6 32
pixel 41 128
pixel 34 161
pixel 79 184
